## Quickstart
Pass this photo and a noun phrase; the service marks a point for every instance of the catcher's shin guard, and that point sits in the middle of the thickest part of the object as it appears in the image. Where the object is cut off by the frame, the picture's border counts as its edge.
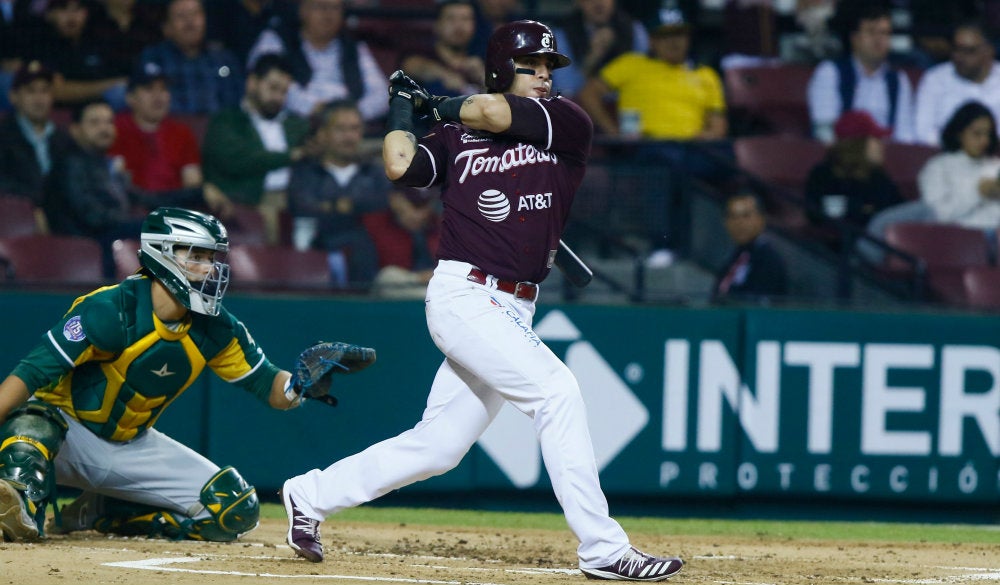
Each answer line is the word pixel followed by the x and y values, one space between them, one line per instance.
pixel 29 442
pixel 231 503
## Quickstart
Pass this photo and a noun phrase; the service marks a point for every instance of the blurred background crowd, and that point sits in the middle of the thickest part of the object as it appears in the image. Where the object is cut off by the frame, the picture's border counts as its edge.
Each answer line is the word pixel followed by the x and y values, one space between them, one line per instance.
pixel 753 151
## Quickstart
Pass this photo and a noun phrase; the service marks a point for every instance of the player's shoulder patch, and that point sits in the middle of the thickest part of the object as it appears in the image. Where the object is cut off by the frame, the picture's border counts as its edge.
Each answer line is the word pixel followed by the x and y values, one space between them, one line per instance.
pixel 73 329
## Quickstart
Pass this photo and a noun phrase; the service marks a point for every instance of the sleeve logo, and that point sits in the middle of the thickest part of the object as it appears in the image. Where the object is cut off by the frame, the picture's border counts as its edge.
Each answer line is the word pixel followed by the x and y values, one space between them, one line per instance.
pixel 73 329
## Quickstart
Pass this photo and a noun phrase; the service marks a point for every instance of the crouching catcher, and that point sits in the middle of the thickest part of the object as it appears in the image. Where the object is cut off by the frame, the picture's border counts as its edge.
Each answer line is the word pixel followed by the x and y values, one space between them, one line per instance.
pixel 79 409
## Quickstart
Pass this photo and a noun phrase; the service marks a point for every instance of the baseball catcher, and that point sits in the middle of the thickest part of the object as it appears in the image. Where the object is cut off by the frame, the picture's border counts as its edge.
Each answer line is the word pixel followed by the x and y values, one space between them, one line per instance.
pixel 79 409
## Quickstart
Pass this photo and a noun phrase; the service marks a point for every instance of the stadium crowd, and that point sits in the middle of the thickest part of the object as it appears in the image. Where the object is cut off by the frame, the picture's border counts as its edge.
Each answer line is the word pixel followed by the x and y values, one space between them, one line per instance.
pixel 268 113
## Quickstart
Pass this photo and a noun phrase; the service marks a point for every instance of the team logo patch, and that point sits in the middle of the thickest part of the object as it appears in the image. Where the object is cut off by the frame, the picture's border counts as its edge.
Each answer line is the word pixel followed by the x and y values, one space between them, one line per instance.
pixel 494 205
pixel 73 329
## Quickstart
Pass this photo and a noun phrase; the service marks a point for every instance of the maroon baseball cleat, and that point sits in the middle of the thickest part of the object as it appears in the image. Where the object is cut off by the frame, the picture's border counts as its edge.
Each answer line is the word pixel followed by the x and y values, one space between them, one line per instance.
pixel 303 531
pixel 635 565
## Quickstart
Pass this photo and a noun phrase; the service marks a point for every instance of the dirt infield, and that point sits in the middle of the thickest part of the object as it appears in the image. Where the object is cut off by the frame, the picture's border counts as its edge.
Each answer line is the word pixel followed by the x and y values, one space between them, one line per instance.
pixel 360 553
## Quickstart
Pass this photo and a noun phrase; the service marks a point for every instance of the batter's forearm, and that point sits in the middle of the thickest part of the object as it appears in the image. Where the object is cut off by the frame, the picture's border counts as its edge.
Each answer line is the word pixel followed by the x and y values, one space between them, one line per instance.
pixel 398 150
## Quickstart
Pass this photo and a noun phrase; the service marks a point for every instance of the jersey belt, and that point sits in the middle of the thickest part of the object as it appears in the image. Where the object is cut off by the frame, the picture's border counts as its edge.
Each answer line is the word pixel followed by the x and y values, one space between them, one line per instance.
pixel 520 290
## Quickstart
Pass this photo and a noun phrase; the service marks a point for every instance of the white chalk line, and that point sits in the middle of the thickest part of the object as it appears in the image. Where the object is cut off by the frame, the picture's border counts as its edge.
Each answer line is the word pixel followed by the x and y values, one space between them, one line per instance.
pixel 161 564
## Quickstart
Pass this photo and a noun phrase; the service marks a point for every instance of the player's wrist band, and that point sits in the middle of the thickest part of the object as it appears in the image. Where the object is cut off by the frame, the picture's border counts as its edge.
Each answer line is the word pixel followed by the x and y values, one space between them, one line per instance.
pixel 449 109
pixel 295 398
pixel 400 115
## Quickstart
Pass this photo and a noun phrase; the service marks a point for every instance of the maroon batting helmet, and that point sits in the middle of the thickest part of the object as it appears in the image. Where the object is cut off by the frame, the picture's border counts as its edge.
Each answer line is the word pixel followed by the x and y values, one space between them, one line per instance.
pixel 518 39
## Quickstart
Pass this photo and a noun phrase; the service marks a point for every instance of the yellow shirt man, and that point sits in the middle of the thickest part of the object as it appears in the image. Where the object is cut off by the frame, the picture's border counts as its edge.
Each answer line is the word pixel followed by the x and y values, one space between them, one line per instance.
pixel 672 100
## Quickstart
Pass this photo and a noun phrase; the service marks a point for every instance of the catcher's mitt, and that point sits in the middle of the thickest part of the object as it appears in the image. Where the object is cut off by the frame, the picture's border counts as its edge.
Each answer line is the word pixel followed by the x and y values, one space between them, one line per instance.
pixel 316 365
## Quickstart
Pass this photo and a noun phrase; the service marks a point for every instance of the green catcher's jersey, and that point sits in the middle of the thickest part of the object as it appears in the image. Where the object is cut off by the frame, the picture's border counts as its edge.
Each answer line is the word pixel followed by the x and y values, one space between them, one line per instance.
pixel 111 364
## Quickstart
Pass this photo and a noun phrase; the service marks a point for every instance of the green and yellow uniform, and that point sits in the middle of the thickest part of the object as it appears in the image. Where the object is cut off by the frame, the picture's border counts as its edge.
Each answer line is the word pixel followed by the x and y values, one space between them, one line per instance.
pixel 111 367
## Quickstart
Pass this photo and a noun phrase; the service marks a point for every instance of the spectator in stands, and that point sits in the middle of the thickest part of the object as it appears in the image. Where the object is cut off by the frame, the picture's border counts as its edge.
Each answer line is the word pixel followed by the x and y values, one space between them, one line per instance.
pixel 328 193
pixel 755 271
pixel 851 184
pixel 204 77
pixel 489 15
pixel 29 140
pixel 160 153
pixel 87 195
pixel 236 24
pixel 132 26
pixel 593 34
pixel 863 80
pixel 448 68
pixel 80 61
pixel 327 63
pixel 663 97
pixel 931 27
pixel 18 23
pixel 406 235
pixel 672 99
pixel 972 74
pixel 962 184
pixel 247 150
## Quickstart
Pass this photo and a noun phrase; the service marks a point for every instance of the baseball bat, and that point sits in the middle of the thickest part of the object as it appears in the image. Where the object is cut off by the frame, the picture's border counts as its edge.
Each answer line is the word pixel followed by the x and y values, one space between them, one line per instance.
pixel 573 268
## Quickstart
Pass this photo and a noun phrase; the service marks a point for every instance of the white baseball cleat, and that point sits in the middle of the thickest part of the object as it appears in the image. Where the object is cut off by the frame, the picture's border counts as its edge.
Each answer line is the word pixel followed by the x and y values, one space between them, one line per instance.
pixel 16 522
pixel 635 565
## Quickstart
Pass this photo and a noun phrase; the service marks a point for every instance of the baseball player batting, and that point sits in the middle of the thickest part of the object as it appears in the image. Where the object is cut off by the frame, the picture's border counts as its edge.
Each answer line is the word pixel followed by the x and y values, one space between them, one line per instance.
pixel 509 163
pixel 102 375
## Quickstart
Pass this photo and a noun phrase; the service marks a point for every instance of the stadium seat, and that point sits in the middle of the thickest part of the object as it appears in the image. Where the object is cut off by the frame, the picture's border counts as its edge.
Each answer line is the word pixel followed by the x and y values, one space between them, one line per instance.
pixel 278 268
pixel 903 163
pixel 768 99
pixel 45 259
pixel 17 217
pixel 246 226
pixel 982 287
pixel 126 257
pixel 782 162
pixel 947 250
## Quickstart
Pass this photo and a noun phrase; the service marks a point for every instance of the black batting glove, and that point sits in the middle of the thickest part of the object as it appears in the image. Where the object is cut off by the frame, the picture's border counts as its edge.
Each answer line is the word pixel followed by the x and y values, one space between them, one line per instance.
pixel 402 86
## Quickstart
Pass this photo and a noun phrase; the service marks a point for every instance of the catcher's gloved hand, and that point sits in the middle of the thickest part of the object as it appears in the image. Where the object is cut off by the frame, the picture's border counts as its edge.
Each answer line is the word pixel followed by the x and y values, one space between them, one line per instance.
pixel 316 365
pixel 403 86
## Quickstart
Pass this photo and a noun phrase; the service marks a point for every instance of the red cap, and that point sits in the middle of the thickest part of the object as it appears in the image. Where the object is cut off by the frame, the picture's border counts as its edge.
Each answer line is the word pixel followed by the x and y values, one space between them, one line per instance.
pixel 859 124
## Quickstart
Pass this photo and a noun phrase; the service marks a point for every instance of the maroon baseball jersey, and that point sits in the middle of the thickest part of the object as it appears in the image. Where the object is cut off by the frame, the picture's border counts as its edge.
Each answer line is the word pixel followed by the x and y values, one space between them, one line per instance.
pixel 506 196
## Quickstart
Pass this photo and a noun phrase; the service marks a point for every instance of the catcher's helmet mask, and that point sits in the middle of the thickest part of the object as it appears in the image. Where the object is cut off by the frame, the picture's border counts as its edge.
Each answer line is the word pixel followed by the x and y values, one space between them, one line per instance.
pixel 518 39
pixel 172 239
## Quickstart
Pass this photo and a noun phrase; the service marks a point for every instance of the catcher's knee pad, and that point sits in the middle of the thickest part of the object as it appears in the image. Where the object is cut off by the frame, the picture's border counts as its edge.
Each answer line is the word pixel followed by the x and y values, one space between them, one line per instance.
pixel 233 507
pixel 29 441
